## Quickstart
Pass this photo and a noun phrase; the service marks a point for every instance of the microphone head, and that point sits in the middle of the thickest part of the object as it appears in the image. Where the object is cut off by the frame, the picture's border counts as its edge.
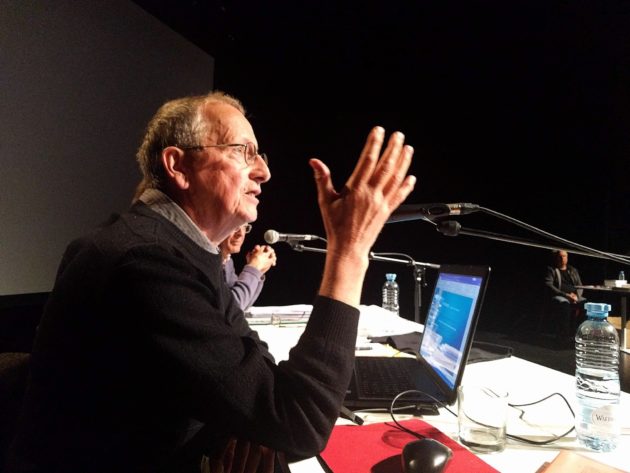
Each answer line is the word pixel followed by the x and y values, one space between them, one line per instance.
pixel 272 236
pixel 426 212
pixel 449 227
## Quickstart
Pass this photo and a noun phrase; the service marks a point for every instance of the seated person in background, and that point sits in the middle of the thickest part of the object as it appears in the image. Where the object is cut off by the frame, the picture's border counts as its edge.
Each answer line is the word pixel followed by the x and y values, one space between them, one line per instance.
pixel 247 285
pixel 143 362
pixel 566 299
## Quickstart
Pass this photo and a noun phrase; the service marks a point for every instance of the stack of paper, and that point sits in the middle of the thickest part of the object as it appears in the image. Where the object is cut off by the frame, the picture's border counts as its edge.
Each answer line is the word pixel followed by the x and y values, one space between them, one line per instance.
pixel 616 283
pixel 278 315
pixel 376 322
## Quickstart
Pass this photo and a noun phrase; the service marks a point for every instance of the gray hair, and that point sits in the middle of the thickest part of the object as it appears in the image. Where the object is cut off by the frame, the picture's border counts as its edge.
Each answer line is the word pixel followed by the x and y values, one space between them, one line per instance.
pixel 178 122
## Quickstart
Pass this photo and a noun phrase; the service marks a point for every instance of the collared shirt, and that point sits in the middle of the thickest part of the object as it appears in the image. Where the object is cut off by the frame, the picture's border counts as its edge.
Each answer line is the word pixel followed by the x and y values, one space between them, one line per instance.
pixel 159 202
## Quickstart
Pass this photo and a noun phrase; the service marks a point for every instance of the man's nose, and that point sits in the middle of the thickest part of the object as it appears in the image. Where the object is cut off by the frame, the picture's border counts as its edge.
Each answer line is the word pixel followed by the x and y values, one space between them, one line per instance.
pixel 261 171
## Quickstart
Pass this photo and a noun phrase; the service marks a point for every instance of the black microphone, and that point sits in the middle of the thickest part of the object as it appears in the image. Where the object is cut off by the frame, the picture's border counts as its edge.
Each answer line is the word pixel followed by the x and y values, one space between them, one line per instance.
pixel 272 236
pixel 430 211
pixel 449 228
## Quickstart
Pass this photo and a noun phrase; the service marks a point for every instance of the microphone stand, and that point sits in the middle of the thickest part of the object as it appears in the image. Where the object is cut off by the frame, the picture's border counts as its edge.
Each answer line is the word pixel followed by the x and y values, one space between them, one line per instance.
pixel 297 246
pixel 429 212
pixel 419 271
pixel 453 228
pixel 508 239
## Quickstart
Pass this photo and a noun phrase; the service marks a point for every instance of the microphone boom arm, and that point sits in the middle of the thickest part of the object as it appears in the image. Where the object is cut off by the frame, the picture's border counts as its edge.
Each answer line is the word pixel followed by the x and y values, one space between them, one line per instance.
pixel 373 256
pixel 518 241
pixel 453 228
pixel 297 246
pixel 418 271
pixel 574 247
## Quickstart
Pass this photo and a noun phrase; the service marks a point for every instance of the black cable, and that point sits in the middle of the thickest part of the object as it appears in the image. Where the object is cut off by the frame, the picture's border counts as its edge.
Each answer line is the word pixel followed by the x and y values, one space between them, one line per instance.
pixel 392 410
pixel 592 251
pixel 399 395
pixel 388 410
pixel 521 416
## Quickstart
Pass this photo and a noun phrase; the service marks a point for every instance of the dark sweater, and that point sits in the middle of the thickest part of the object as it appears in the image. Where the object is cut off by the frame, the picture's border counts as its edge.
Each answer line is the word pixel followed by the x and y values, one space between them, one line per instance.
pixel 141 345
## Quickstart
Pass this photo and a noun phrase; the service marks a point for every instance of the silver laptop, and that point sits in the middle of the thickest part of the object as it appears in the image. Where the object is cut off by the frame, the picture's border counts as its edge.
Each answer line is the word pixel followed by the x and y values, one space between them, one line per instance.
pixel 437 370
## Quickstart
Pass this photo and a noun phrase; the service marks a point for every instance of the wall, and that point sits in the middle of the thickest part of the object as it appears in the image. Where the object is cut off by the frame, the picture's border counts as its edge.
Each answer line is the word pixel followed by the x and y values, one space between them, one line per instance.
pixel 79 80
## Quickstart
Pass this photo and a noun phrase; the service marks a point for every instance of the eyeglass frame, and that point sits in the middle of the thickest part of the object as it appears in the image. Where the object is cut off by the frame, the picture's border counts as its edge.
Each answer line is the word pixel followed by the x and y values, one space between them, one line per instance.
pixel 246 227
pixel 249 159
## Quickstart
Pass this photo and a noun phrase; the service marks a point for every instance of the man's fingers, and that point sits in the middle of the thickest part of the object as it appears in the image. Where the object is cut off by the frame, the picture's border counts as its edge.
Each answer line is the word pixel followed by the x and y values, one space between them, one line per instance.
pixel 392 168
pixel 369 156
pixel 385 175
pixel 322 180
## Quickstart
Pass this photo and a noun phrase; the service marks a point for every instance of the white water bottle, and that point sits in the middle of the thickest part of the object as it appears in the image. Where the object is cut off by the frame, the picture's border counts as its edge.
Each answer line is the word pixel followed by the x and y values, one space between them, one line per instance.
pixel 390 293
pixel 597 422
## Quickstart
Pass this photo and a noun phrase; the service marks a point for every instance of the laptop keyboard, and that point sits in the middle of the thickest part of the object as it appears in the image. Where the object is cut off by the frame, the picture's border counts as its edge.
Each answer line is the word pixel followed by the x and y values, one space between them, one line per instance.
pixel 387 378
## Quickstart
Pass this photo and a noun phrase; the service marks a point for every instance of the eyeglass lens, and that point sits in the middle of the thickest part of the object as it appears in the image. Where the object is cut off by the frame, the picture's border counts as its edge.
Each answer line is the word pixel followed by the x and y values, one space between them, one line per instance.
pixel 251 153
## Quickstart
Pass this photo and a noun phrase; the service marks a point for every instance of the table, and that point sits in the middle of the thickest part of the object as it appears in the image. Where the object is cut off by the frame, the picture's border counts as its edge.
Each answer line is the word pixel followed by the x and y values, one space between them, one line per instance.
pixel 525 381
pixel 624 292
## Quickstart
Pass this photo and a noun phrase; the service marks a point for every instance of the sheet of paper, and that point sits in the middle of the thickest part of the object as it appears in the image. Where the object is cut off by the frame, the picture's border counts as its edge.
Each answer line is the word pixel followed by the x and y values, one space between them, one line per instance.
pixel 375 321
pixel 278 315
pixel 264 311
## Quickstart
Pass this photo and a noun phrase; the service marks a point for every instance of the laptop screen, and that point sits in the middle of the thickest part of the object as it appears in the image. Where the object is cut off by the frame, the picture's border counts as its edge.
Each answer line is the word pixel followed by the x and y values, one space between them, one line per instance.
pixel 450 318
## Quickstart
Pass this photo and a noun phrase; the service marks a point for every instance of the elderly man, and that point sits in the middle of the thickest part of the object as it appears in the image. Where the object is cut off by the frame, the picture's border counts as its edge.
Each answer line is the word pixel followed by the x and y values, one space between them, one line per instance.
pixel 143 361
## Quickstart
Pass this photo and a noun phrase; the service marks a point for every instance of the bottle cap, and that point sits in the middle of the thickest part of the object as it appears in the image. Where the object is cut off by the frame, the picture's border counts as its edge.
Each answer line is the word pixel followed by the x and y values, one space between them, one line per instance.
pixel 390 276
pixel 597 309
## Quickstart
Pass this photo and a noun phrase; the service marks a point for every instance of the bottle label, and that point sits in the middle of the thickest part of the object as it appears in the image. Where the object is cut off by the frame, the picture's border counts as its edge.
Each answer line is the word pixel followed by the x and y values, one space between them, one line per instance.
pixel 605 419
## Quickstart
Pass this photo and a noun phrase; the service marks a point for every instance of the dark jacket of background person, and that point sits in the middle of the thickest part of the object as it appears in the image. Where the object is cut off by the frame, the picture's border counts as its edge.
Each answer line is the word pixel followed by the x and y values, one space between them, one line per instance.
pixel 553 280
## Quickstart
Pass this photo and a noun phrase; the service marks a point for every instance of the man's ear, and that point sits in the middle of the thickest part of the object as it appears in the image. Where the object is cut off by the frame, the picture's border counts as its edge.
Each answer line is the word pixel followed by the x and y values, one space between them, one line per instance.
pixel 174 162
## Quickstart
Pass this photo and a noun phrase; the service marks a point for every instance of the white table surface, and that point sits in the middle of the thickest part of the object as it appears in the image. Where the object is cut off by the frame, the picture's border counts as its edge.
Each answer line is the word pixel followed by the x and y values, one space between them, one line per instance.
pixel 525 381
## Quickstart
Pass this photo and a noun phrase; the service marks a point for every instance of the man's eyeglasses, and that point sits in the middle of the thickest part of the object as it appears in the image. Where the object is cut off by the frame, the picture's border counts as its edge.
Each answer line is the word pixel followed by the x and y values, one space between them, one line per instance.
pixel 246 228
pixel 246 151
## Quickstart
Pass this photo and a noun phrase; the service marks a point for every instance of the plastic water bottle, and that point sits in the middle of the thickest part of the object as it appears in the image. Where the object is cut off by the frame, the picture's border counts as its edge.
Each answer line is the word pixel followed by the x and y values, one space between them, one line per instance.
pixel 390 293
pixel 597 422
pixel 622 276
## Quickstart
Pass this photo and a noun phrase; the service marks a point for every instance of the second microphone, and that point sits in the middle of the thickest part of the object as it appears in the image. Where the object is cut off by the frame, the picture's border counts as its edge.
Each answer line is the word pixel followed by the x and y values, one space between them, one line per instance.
pixel 272 236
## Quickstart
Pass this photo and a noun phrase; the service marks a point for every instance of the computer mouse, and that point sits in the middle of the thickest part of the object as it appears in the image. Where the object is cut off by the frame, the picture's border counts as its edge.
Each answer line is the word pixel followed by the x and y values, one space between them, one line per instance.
pixel 425 456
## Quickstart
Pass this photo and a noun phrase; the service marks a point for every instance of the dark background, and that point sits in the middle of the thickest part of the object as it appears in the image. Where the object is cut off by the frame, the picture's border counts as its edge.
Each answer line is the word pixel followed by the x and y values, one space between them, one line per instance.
pixel 520 107
pixel 79 82
pixel 75 101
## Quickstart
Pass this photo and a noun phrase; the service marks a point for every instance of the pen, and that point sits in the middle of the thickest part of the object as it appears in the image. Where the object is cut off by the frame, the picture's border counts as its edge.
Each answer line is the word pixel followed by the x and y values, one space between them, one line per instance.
pixel 363 347
pixel 348 414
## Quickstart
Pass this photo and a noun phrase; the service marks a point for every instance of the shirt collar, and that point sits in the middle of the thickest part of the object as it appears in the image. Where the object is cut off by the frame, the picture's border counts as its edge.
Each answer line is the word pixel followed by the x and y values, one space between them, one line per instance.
pixel 162 204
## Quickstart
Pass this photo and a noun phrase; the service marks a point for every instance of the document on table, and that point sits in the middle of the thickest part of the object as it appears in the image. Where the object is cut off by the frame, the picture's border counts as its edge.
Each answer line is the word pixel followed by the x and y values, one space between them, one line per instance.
pixel 297 313
pixel 281 327
pixel 375 321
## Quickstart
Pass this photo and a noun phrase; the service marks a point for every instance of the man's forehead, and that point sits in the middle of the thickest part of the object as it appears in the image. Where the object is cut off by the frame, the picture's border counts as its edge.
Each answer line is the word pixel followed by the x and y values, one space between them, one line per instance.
pixel 225 119
pixel 221 112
